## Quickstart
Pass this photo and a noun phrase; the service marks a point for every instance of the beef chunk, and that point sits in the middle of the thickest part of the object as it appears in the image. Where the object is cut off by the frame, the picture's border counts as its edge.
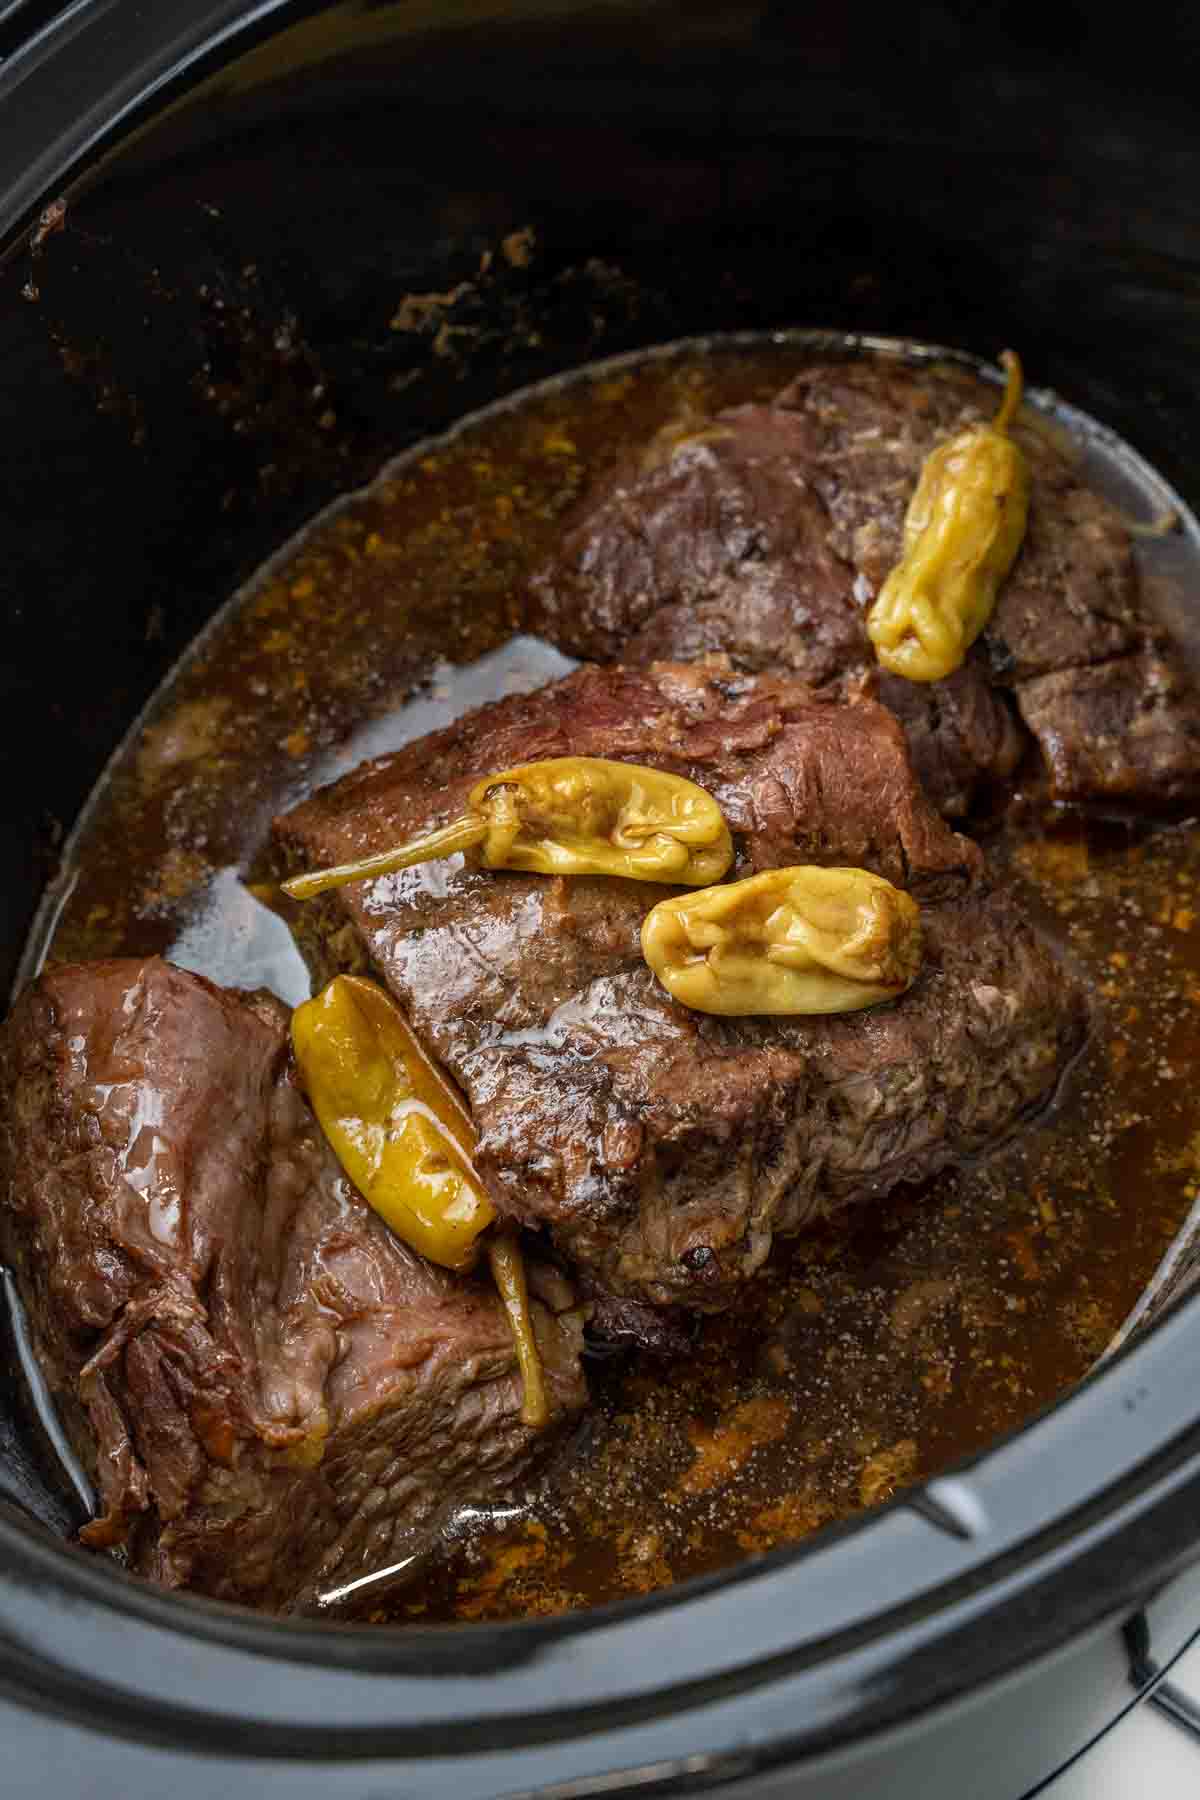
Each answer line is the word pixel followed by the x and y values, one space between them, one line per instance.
pixel 767 532
pixel 1072 595
pixel 1071 606
pixel 961 733
pixel 273 1393
pixel 709 540
pixel 1125 730
pixel 662 1148
pixel 665 1148
pixel 719 540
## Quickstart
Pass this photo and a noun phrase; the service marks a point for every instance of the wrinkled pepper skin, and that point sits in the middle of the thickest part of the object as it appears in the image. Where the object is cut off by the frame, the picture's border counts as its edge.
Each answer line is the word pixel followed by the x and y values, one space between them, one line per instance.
pixel 396 1126
pixel 569 815
pixel 797 940
pixel 581 815
pixel 963 529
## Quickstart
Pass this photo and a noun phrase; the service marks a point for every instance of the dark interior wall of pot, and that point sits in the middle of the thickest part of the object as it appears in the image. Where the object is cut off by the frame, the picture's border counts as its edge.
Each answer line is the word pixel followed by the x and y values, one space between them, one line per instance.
pixel 396 212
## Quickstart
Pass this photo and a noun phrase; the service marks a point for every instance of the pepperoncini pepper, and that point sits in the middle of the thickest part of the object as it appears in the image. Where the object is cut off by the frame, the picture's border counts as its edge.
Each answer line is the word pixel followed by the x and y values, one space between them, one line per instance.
pixel 406 1141
pixel 796 940
pixel 570 815
pixel 962 531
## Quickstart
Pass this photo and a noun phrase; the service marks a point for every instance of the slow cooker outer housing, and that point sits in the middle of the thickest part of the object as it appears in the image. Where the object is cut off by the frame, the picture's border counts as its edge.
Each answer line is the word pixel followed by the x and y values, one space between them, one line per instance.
pixel 246 230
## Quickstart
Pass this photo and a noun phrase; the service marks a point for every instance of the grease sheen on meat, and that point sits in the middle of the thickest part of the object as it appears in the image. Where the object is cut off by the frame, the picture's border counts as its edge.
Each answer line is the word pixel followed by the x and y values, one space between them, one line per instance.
pixel 274 1394
pixel 663 1149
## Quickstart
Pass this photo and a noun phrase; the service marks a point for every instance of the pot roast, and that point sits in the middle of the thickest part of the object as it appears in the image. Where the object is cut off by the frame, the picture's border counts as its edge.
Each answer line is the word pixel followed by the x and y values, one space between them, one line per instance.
pixel 275 1397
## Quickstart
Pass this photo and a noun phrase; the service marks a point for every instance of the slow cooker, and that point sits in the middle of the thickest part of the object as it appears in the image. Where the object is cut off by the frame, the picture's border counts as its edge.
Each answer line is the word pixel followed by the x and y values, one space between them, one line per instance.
pixel 215 198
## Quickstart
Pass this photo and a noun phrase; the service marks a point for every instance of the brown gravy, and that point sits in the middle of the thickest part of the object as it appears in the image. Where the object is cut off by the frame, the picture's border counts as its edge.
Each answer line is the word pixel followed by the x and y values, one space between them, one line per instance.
pixel 868 1355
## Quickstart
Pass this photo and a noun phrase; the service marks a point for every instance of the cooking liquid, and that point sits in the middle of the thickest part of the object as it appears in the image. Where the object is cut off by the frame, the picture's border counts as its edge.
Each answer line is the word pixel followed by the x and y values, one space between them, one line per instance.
pixel 872 1352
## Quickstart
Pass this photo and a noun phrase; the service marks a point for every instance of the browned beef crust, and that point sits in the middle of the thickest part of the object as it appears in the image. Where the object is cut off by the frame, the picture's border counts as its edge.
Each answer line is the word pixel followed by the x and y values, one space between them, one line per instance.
pixel 665 1148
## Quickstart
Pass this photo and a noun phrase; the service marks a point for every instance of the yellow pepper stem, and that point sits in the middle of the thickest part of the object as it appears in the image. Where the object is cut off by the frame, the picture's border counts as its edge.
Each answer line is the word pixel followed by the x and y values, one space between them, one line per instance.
pixel 1010 362
pixel 460 834
pixel 508 1272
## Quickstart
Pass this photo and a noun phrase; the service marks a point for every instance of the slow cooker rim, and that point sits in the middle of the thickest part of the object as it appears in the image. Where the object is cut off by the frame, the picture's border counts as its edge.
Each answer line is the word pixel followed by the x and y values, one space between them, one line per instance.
pixel 106 87
pixel 1139 1526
